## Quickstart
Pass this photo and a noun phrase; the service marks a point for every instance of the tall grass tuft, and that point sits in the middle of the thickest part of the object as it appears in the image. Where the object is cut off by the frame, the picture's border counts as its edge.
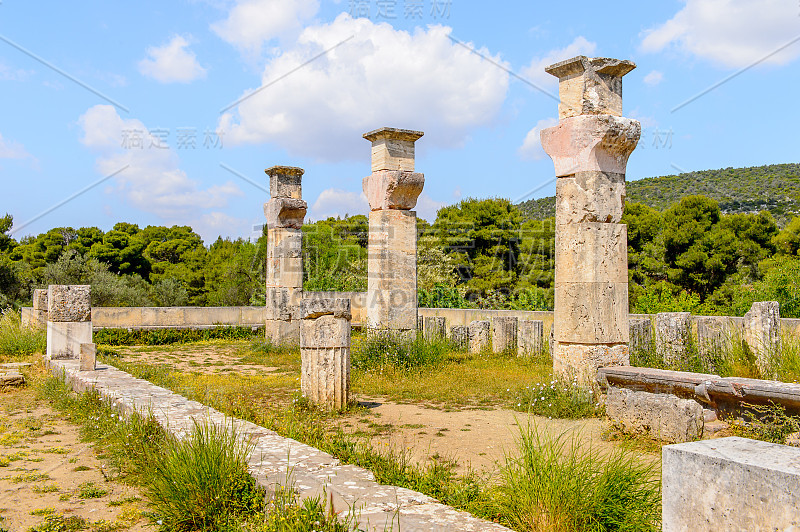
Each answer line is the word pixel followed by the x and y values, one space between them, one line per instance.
pixel 556 484
pixel 202 482
pixel 559 399
pixel 17 341
pixel 391 349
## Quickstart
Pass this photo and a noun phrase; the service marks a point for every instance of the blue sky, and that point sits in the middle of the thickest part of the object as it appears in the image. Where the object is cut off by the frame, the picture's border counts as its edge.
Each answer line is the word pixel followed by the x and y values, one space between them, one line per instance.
pixel 142 102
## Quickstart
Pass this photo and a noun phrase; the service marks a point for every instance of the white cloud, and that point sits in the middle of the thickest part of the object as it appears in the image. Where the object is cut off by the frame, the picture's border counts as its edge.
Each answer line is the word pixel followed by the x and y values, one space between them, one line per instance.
pixel 251 23
pixel 10 149
pixel 531 148
pixel 379 77
pixel 212 225
pixel 333 202
pixel 535 71
pixel 427 207
pixel 171 63
pixel 14 74
pixel 653 78
pixel 153 181
pixel 731 33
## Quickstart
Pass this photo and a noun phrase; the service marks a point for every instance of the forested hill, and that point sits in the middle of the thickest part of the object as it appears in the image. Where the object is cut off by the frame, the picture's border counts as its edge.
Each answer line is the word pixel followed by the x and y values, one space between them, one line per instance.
pixel 775 187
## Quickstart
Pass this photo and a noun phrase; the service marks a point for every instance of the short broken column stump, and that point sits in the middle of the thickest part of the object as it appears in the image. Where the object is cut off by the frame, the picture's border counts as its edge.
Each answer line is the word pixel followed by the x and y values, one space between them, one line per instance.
pixel 459 336
pixel 325 352
pixel 479 336
pixel 88 358
pixel 435 327
pixel 530 338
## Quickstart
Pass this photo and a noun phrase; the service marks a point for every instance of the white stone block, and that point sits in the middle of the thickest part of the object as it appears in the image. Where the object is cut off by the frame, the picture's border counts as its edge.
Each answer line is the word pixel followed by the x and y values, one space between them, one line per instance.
pixel 64 339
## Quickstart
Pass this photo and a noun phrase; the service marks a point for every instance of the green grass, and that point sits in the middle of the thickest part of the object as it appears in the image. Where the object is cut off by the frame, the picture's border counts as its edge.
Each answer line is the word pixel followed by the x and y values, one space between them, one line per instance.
pixel 558 485
pixel 383 349
pixel 17 341
pixel 119 337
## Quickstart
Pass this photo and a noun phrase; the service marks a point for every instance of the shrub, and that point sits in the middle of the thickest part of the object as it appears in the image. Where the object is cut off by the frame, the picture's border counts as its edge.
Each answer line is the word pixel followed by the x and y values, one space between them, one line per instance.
pixel 556 484
pixel 387 348
pixel 173 336
pixel 559 399
pixel 17 341
pixel 766 422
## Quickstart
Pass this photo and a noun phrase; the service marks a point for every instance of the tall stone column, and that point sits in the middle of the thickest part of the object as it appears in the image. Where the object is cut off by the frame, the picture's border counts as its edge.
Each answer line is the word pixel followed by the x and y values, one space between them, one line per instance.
pixel 69 320
pixel 285 212
pixel 392 191
pixel 590 147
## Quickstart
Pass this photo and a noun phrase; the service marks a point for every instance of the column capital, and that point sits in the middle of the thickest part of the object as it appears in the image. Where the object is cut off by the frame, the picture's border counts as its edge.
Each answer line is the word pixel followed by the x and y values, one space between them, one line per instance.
pixel 590 85
pixel 398 190
pixel 392 148
pixel 286 213
pixel 285 181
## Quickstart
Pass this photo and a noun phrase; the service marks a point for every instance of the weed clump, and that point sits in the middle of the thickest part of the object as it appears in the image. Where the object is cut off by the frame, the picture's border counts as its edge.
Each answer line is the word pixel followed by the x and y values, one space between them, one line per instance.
pixel 765 422
pixel 557 484
pixel 17 341
pixel 559 399
pixel 381 349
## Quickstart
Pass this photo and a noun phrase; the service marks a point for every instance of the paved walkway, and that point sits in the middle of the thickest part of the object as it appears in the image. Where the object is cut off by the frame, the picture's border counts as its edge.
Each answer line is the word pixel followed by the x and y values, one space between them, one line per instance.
pixel 275 458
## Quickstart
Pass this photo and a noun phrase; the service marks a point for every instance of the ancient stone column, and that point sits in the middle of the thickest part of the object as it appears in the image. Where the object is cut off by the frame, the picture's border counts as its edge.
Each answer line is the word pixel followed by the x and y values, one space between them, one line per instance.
pixel 590 147
pixel 325 351
pixel 762 332
pixel 435 327
pixel 39 316
pixel 673 334
pixel 285 212
pixel 392 191
pixel 641 335
pixel 504 334
pixel 530 337
pixel 479 335
pixel 69 320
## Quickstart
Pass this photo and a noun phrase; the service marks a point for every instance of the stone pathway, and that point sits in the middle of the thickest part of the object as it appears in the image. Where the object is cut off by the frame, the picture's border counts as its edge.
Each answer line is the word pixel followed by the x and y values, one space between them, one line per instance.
pixel 276 459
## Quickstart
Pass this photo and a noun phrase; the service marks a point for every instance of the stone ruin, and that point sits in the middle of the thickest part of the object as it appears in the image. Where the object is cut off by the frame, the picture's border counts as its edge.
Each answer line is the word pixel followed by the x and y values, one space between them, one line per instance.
pixel 69 320
pixel 590 147
pixel 325 352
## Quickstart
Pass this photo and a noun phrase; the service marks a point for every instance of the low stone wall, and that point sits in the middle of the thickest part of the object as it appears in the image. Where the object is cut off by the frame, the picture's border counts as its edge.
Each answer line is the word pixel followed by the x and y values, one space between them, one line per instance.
pixel 275 458
pixel 730 484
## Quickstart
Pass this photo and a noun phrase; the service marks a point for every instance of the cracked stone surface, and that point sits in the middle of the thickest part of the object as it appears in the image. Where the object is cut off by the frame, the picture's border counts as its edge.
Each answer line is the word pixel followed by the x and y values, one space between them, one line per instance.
pixel 275 459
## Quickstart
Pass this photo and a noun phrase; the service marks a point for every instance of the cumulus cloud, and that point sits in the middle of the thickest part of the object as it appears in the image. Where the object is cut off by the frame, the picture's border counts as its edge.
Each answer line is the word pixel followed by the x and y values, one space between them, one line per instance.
pixel 212 225
pixel 730 33
pixel 252 23
pixel 153 180
pixel 653 78
pixel 333 202
pixel 427 207
pixel 377 76
pixel 172 62
pixel 531 148
pixel 10 149
pixel 535 71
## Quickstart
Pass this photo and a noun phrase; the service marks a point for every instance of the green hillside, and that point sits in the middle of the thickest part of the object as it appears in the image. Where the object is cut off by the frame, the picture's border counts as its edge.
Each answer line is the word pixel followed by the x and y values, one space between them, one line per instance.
pixel 775 187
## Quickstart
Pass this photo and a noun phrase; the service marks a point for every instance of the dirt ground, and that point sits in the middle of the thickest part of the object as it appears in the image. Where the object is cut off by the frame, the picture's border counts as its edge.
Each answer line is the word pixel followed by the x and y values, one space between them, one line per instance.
pixel 203 359
pixel 46 470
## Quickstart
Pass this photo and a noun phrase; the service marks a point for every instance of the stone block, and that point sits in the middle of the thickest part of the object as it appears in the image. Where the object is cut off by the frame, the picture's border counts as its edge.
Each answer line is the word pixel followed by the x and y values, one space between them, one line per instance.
pixel 762 332
pixel 479 336
pixel 392 270
pixel 672 335
pixel 713 334
pixel 285 213
pixel 315 307
pixel 591 143
pixel 641 335
pixel 459 336
pixel 580 361
pixel 591 252
pixel 590 197
pixel 88 357
pixel 64 338
pixel 435 328
pixel 393 149
pixel 325 356
pixel 285 182
pixel 285 258
pixel 69 303
pixel 591 313
pixel 730 484
pixel 282 332
pixel 590 85
pixel 658 416
pixel 40 299
pixel 530 337
pixel 393 189
pixel 504 334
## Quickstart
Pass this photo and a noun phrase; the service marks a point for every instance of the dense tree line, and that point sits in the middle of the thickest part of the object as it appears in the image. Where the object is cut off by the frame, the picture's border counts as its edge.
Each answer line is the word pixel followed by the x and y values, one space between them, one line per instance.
pixel 478 253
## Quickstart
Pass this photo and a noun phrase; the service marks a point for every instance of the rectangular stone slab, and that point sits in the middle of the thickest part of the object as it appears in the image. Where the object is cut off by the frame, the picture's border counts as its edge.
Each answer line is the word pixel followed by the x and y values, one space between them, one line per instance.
pixel 66 303
pixel 730 484
pixel 591 196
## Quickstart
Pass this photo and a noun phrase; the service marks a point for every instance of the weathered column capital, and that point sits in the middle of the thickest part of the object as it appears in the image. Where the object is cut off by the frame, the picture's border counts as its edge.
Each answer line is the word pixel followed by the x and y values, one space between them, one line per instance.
pixel 393 189
pixel 392 148
pixel 285 181
pixel 590 85
pixel 287 213
pixel 591 143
